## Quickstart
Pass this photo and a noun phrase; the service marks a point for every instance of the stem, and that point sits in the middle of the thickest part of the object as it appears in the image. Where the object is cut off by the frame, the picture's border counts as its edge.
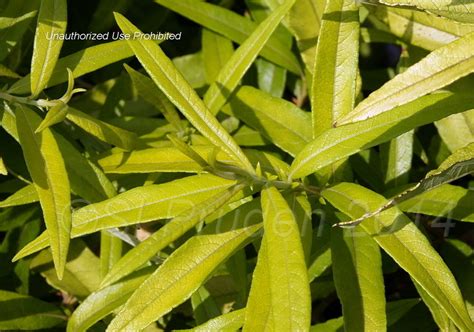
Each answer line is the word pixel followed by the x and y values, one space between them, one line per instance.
pixel 27 101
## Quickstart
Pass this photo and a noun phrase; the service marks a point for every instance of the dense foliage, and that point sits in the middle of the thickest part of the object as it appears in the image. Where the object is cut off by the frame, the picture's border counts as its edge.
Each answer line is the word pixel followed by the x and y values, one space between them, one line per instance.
pixel 274 165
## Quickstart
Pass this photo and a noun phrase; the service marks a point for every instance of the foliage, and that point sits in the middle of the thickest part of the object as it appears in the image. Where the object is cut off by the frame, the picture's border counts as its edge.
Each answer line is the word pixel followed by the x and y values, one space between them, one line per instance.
pixel 286 165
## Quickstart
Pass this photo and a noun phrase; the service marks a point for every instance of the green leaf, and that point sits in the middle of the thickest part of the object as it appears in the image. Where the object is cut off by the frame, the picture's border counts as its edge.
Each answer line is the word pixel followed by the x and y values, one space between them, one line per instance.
pixel 233 71
pixel 427 31
pixel 41 242
pixel 110 251
pixel 405 243
pixel 287 126
pixel 170 81
pixel 56 114
pixel 338 143
pixel 139 205
pixel 46 167
pixel 20 312
pixel 357 272
pixel 166 159
pixel 86 179
pixel 459 164
pixel 16 18
pixel 52 21
pixel 461 10
pixel 147 203
pixel 439 316
pixel 25 195
pixel 105 132
pixel 232 26
pixel 152 94
pixel 103 302
pixel 457 130
pixel 231 321
pixel 304 21
pixel 216 52
pixel 397 156
pixel 81 273
pixel 6 72
pixel 448 201
pixel 81 63
pixel 279 296
pixel 440 68
pixel 335 68
pixel 204 306
pixel 167 234
pixel 178 277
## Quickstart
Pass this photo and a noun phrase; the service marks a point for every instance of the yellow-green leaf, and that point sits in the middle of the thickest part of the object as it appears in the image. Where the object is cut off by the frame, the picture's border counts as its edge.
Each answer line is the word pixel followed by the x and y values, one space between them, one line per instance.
pixel 173 84
pixel 46 166
pixel 460 10
pixel 104 301
pixel 279 297
pixel 167 234
pixel 105 132
pixel 357 273
pixel 25 195
pixel 178 278
pixel 234 27
pixel 440 68
pixel 406 244
pixel 335 68
pixel 233 71
pixel 35 314
pixel 338 143
pixel 52 21
pixel 81 63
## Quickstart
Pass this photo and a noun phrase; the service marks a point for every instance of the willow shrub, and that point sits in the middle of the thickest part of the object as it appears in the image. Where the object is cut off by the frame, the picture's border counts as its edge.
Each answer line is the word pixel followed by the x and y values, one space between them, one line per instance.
pixel 277 165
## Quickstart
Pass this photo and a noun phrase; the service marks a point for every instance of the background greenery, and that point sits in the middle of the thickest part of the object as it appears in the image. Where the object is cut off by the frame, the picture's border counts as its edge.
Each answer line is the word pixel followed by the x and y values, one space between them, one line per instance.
pixel 286 165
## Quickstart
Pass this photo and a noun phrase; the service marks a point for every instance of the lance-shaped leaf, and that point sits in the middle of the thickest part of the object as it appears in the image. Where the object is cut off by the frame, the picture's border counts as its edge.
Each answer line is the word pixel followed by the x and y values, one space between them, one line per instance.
pixel 460 10
pixel 166 159
pixel 459 164
pixel 152 94
pixel 25 195
pixel 233 71
pixel 81 273
pixel 304 22
pixel 233 26
pixel 46 167
pixel 138 205
pixel 406 244
pixel 81 63
pixel 427 31
pixel 177 89
pixel 335 71
pixel 357 273
pixel 86 179
pixel 447 201
pixel 178 278
pixel 457 130
pixel 167 234
pixel 105 132
pixel 147 203
pixel 280 296
pixel 440 68
pixel 103 302
pixel 15 20
pixel 35 314
pixel 216 52
pixel 338 143
pixel 52 21
pixel 231 321
pixel 287 126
